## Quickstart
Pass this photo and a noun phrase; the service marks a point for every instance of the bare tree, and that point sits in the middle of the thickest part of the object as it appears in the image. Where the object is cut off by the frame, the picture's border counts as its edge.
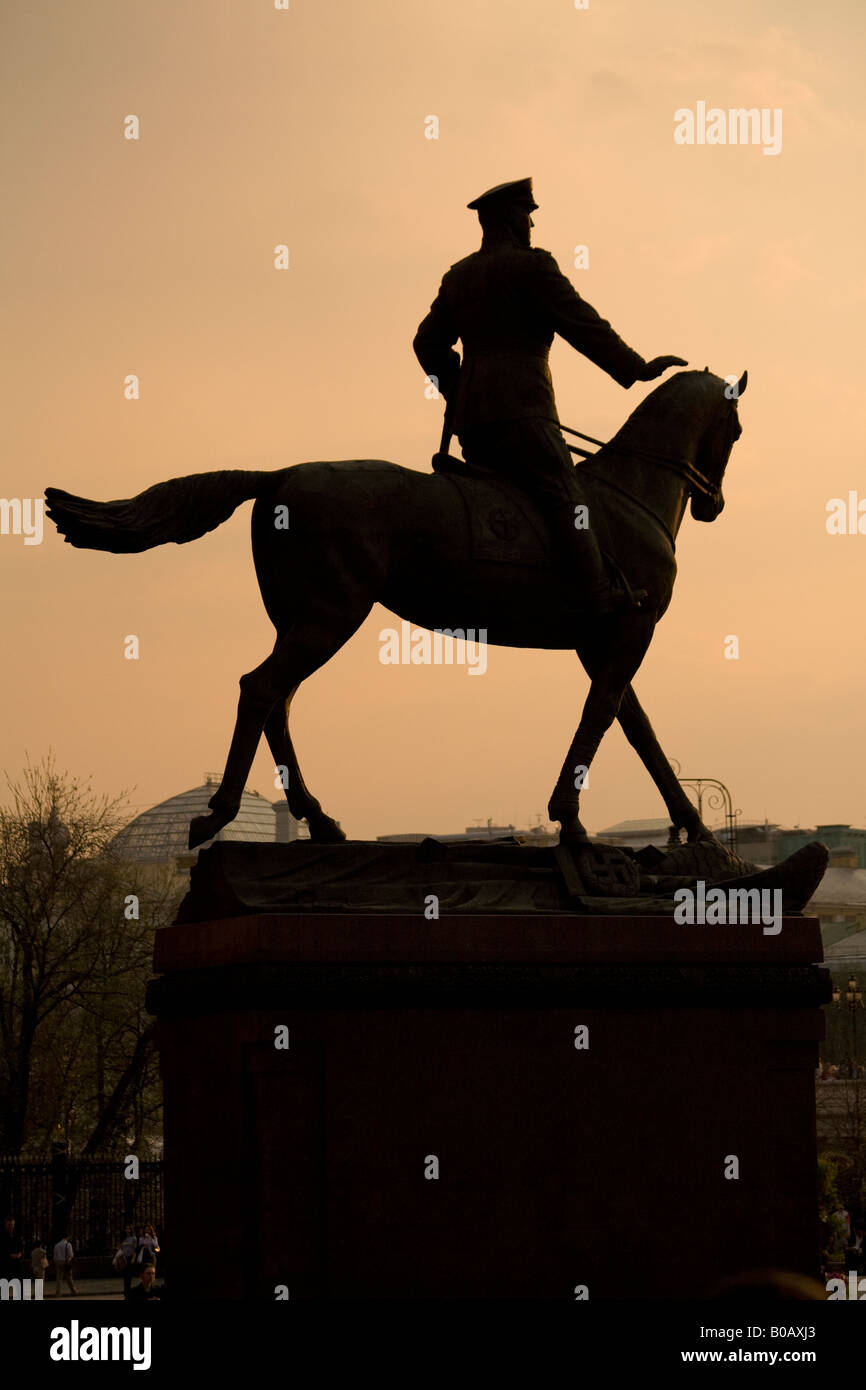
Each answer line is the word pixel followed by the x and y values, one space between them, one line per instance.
pixel 76 938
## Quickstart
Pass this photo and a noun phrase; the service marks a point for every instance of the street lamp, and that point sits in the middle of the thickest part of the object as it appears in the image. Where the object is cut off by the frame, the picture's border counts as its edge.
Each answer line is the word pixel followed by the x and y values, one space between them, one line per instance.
pixel 853 1002
pixel 718 798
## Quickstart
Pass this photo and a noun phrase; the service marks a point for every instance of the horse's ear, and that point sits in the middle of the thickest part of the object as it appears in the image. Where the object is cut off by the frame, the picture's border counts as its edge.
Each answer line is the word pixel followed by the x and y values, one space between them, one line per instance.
pixel 742 384
pixel 706 369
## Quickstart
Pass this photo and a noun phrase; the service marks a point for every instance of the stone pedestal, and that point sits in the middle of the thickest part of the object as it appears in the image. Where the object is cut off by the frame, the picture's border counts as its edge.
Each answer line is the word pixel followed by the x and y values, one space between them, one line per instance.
pixel 499 1107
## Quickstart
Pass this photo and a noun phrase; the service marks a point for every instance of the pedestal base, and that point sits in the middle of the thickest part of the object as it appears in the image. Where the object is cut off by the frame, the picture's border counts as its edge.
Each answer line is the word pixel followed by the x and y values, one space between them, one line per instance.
pixel 489 1108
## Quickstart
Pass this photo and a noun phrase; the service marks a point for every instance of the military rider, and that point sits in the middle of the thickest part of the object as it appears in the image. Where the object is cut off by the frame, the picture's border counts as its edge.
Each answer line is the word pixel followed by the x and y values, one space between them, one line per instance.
pixel 505 302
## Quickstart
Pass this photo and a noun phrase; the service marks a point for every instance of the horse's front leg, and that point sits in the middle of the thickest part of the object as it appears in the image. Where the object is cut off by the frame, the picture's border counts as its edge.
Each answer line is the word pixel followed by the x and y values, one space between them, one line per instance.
pixel 611 663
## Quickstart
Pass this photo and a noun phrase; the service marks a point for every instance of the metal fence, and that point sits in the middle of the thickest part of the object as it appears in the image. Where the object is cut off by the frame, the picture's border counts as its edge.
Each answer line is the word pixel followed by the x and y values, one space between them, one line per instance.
pixel 89 1199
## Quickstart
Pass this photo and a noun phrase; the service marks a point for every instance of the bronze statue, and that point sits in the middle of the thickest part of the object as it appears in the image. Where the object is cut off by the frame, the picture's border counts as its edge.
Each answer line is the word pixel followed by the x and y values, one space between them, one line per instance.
pixel 332 538
pixel 506 302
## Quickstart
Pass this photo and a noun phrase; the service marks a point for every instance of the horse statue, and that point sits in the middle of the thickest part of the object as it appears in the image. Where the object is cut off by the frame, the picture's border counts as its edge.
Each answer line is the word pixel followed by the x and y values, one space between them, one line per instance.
pixel 330 539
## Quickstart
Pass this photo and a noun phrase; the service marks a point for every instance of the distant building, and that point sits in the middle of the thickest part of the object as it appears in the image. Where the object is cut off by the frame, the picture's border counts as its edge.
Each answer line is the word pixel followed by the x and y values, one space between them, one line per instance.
pixel 768 843
pixel 537 835
pixel 847 846
pixel 840 902
pixel 756 841
pixel 634 834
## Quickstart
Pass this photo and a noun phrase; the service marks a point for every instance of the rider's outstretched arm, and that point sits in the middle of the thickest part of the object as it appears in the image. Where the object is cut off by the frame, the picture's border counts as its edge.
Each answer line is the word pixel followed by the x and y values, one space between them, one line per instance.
pixel 580 325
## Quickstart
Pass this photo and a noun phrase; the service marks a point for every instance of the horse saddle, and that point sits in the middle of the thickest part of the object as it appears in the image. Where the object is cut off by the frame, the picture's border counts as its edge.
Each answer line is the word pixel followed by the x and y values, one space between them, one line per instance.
pixel 504 525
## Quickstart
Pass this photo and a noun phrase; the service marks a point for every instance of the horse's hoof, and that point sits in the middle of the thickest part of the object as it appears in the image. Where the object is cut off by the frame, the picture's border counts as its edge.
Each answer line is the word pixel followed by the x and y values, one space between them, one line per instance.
pixel 202 828
pixel 325 830
pixel 700 835
pixel 197 832
pixel 573 837
pixel 571 832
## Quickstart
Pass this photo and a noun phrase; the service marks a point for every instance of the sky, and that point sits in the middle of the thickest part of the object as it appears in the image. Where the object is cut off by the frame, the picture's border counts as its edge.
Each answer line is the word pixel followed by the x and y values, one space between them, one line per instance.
pixel 309 127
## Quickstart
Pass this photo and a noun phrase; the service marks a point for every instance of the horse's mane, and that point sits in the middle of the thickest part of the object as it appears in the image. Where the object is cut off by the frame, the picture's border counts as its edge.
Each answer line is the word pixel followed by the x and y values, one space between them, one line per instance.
pixel 675 401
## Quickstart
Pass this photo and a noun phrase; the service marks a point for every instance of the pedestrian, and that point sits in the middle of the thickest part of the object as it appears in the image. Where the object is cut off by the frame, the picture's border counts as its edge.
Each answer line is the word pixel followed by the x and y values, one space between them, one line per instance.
pixel 38 1259
pixel 11 1251
pixel 854 1252
pixel 146 1288
pixel 63 1257
pixel 124 1260
pixel 148 1247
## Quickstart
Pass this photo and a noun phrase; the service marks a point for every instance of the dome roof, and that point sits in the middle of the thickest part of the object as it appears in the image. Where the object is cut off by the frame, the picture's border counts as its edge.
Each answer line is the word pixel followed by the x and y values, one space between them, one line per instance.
pixel 160 834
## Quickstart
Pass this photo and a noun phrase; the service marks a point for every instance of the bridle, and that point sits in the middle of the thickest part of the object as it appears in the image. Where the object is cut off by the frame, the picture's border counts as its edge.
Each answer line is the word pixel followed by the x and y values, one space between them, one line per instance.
pixel 683 468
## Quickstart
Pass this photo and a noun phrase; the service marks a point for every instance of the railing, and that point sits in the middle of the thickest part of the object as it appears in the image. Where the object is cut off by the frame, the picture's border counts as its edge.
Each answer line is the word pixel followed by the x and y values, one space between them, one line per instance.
pixel 89 1199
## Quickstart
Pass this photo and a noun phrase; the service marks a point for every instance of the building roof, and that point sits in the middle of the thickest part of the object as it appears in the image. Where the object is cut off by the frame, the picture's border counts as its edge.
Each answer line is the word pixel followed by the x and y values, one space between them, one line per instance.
pixel 842 887
pixel 851 948
pixel 472 832
pixel 637 827
pixel 161 834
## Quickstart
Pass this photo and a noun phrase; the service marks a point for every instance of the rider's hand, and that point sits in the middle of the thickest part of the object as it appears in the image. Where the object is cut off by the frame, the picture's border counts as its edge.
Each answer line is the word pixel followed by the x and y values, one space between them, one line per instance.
pixel 659 365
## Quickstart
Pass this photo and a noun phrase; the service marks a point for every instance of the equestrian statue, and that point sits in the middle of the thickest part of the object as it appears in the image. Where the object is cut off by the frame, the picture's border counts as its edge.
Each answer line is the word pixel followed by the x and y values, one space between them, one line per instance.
pixel 513 539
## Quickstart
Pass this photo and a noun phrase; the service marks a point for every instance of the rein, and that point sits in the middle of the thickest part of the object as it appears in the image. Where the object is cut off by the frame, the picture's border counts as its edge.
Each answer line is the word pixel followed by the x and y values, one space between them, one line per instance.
pixel 684 468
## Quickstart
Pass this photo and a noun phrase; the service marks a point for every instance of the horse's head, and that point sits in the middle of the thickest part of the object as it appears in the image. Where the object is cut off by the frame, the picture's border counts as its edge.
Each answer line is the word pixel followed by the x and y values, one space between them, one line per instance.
pixel 714 450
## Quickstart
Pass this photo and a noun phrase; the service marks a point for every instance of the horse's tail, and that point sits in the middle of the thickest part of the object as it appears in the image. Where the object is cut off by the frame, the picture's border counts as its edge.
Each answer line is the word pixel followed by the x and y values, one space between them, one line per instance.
pixel 180 510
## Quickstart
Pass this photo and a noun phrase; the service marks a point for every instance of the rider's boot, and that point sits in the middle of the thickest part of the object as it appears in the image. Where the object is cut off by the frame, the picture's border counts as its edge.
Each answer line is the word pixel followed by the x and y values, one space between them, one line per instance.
pixel 583 565
pixel 603 598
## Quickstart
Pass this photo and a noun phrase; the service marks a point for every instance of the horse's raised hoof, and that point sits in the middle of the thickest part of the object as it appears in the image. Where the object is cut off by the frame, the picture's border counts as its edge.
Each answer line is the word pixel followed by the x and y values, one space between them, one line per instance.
pixel 324 830
pixel 202 828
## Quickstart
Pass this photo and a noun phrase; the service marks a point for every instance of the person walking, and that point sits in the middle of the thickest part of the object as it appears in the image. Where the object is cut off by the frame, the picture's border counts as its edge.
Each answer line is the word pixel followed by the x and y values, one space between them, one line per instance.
pixel 11 1251
pixel 63 1257
pixel 128 1249
pixel 148 1247
pixel 38 1260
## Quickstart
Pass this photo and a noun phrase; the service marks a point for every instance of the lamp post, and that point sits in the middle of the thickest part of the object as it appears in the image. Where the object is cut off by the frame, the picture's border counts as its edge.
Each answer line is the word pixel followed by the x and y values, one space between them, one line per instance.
pixel 853 1002
pixel 718 799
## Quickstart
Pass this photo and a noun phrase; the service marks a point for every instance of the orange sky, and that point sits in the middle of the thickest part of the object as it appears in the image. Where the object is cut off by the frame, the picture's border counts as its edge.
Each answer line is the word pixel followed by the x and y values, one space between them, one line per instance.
pixel 306 127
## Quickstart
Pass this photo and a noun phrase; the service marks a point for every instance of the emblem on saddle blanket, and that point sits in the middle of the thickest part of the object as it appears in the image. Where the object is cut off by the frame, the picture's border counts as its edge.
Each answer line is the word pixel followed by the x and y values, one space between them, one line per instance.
pixel 504 525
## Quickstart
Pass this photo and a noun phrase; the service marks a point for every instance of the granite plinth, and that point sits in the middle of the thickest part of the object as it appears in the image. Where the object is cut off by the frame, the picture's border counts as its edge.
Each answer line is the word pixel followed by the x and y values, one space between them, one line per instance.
pixel 559 1166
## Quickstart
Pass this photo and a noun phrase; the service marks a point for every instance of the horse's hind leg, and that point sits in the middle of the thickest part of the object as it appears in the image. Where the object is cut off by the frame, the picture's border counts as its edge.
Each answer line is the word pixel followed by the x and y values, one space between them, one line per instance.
pixel 611 658
pixel 296 654
pixel 640 734
pixel 302 804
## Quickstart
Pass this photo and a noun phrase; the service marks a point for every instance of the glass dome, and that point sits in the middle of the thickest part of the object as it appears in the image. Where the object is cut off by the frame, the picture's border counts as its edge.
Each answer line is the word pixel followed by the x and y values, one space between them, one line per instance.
pixel 160 834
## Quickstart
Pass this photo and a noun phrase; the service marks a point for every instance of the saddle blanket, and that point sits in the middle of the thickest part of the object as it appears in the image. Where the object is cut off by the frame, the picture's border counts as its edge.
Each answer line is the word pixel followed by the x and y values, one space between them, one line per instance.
pixel 506 527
